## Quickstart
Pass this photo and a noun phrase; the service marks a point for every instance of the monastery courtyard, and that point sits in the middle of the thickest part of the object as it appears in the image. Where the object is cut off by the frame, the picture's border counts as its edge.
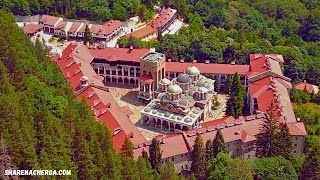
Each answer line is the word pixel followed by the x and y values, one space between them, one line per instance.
pixel 126 96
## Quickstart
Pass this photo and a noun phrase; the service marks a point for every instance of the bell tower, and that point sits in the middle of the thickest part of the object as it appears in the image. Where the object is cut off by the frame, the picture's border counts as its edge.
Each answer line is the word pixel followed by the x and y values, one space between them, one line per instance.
pixel 152 70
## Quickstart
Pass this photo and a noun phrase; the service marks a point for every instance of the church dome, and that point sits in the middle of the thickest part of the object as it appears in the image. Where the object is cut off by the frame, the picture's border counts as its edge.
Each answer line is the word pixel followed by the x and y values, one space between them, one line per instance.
pixel 165 81
pixel 202 89
pixel 174 89
pixel 183 78
pixel 192 71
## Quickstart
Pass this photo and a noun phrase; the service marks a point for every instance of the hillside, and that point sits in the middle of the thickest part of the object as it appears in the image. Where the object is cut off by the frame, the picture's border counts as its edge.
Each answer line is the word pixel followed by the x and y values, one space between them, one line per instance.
pixel 43 126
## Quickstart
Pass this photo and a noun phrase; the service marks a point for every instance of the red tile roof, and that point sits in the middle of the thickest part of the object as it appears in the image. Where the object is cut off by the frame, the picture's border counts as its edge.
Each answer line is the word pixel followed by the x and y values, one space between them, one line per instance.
pixel 208 68
pixel 110 26
pixel 302 86
pixel 165 15
pixel 265 62
pixel 143 32
pixel 172 145
pixel 246 131
pixel 265 89
pixel 48 20
pixel 127 125
pixel 83 27
pixel 32 28
pixel 118 138
pixel 100 100
pixel 119 54
pixel 74 27
pixel 297 129
pixel 62 25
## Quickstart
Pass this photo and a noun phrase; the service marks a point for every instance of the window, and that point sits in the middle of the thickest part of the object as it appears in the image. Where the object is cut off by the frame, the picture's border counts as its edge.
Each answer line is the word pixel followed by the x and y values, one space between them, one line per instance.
pixel 294 152
pixel 172 159
pixel 295 145
pixel 181 155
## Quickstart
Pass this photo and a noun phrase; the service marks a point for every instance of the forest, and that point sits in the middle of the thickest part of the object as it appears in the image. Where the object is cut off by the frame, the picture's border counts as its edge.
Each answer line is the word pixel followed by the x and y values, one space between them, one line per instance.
pixel 95 10
pixel 224 31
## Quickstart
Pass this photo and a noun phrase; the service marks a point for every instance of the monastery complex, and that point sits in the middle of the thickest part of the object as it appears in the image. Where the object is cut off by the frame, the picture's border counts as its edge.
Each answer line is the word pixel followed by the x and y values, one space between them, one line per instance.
pixel 178 98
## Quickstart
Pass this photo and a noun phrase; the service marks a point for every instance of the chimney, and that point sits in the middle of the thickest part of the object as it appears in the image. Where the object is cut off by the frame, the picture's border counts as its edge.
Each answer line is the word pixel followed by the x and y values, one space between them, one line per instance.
pixel 194 61
pixel 304 81
pixel 130 49
pixel 84 82
pixel 181 60
pixel 207 61
pixel 169 60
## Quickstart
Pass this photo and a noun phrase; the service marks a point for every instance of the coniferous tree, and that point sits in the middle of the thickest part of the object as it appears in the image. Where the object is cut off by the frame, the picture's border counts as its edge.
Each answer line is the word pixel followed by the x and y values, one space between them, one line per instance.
pixel 235 103
pixel 198 166
pixel 128 169
pixel 228 84
pixel 285 142
pixel 311 167
pixel 218 144
pixel 155 155
pixel 128 165
pixel 217 84
pixel 144 154
pixel 268 140
pixel 209 150
pixel 168 172
pixel 87 36
pixel 145 171
pixel 127 149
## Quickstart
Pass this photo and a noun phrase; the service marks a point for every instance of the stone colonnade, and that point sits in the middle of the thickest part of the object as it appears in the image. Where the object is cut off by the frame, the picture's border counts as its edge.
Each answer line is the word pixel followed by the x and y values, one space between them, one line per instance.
pixel 124 74
pixel 164 124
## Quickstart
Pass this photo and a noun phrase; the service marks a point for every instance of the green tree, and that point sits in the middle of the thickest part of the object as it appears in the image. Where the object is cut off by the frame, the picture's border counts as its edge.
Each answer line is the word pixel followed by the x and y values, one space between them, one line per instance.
pixel 168 172
pixel 235 103
pixel 218 143
pixel 145 171
pixel 127 149
pixel 224 167
pixel 209 150
pixel 120 12
pixel 144 154
pixel 155 155
pixel 87 36
pixel 274 168
pixel 198 159
pixel 217 85
pixel 268 140
pixel 299 96
pixel 311 167
pixel 228 84
pixel 285 142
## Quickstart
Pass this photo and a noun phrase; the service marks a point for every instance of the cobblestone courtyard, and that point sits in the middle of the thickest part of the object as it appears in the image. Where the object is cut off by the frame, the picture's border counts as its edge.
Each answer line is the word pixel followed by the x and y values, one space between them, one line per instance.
pixel 126 96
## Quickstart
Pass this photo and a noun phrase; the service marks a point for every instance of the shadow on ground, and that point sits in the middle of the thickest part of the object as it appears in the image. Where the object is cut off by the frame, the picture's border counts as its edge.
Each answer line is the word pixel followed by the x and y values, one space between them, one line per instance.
pixel 152 129
pixel 130 98
pixel 118 85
